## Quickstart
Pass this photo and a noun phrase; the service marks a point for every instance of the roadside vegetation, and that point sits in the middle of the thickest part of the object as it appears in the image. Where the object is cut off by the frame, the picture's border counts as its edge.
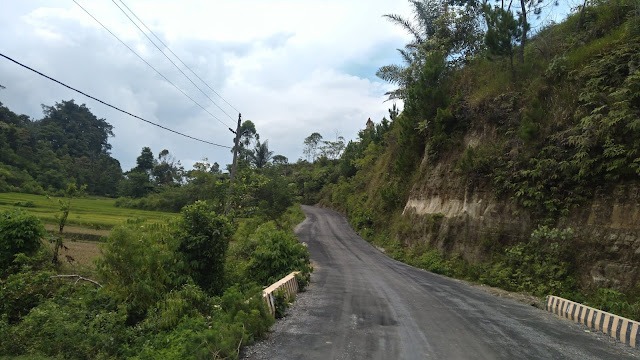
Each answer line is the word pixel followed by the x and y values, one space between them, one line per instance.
pixel 180 267
pixel 540 120
pixel 191 288
pixel 542 126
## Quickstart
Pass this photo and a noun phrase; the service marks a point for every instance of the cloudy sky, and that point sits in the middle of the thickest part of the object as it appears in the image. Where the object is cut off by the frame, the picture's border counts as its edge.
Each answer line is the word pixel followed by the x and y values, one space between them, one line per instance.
pixel 292 67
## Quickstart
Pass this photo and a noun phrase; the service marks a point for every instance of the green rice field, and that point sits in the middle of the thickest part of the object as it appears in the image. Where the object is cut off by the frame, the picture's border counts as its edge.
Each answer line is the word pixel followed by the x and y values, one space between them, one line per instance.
pixel 86 212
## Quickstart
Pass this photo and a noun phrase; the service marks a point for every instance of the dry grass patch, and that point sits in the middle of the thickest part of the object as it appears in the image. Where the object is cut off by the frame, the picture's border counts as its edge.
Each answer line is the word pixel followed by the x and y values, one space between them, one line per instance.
pixel 78 256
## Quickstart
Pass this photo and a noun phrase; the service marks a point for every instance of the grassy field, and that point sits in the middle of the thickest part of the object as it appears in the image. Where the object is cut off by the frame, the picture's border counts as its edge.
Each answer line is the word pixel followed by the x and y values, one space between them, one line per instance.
pixel 87 215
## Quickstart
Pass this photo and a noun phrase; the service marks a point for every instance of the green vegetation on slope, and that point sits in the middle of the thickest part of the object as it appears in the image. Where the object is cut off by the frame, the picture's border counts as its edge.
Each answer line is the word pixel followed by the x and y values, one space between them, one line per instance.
pixel 541 135
pixel 184 290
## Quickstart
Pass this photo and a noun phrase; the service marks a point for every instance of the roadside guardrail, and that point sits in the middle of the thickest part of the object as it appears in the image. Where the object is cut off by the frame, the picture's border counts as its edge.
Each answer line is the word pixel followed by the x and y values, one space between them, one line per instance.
pixel 622 329
pixel 289 283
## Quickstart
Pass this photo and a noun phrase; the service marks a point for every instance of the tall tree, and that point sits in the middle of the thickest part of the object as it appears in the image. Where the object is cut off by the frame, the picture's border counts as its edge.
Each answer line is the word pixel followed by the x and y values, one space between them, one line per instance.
pixel 248 135
pixel 167 171
pixel 261 154
pixel 333 149
pixel 449 27
pixel 503 32
pixel 280 160
pixel 421 27
pixel 137 182
pixel 74 126
pixel 530 6
pixel 311 143
pixel 145 161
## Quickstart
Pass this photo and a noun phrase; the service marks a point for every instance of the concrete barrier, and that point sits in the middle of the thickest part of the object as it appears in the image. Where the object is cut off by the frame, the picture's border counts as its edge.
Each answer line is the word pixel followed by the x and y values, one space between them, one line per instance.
pixel 289 283
pixel 622 329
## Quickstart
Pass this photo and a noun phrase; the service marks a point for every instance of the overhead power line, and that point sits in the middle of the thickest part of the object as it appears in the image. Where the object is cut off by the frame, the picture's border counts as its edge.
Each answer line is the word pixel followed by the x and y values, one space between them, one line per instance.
pixel 168 58
pixel 112 106
pixel 154 69
pixel 177 57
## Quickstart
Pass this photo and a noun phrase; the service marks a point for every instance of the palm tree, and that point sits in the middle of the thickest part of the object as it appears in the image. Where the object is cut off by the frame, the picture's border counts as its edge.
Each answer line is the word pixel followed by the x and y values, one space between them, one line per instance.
pixel 423 26
pixel 261 154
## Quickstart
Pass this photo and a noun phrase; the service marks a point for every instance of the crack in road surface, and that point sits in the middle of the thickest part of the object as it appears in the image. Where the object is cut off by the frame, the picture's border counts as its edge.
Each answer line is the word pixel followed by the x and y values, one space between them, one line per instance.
pixel 364 305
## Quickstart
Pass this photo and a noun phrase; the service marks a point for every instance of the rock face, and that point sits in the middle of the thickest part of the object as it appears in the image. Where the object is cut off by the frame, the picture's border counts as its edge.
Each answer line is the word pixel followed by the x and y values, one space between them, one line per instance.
pixel 609 230
pixel 469 222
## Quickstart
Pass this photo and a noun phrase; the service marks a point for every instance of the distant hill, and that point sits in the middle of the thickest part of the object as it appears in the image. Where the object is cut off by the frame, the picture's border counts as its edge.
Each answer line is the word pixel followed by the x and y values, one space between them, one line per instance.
pixel 68 145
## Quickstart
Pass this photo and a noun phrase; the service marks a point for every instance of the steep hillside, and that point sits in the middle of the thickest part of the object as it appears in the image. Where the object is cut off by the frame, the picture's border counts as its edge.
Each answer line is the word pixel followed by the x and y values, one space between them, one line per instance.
pixel 523 177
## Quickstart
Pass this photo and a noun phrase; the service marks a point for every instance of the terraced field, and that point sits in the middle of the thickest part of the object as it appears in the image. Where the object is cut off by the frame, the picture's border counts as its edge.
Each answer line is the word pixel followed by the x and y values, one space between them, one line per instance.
pixel 90 213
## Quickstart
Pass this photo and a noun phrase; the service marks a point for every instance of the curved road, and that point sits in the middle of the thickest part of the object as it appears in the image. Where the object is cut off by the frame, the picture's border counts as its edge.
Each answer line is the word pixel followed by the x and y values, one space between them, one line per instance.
pixel 364 305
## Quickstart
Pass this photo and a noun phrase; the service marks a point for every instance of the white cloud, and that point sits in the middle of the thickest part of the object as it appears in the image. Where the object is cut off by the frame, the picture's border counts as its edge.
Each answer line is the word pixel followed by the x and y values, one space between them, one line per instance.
pixel 292 67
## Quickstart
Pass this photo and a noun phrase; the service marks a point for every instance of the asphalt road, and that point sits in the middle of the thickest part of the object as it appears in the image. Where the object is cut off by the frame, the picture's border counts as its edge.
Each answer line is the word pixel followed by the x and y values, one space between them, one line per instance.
pixel 364 305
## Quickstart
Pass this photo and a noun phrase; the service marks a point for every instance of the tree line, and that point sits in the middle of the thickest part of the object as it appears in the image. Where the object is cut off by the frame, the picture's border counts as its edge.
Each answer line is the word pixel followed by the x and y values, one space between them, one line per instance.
pixel 71 145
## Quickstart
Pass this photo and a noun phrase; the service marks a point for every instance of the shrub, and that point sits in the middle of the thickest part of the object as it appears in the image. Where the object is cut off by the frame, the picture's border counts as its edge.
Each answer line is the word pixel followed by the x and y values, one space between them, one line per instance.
pixel 27 204
pixel 244 317
pixel 274 197
pixel 137 267
pixel 74 322
pixel 203 239
pixel 189 301
pixel 21 292
pixel 615 302
pixel 433 261
pixel 19 233
pixel 277 253
pixel 542 266
pixel 282 302
pixel 303 281
pixel 557 69
pixel 52 329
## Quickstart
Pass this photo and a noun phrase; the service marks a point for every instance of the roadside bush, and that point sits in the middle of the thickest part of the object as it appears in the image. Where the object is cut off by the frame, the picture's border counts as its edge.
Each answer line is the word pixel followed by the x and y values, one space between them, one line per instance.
pixel 246 241
pixel 277 253
pixel 540 266
pixel 282 302
pixel 189 324
pixel 237 262
pixel 616 302
pixel 203 239
pixel 244 318
pixel 292 217
pixel 73 322
pixel 189 301
pixel 303 281
pixel 433 261
pixel 52 329
pixel 181 342
pixel 137 267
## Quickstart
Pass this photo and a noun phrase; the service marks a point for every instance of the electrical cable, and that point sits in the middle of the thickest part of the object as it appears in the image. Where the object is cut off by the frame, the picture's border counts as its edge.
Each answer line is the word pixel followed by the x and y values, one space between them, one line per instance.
pixel 146 62
pixel 165 55
pixel 112 106
pixel 177 57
